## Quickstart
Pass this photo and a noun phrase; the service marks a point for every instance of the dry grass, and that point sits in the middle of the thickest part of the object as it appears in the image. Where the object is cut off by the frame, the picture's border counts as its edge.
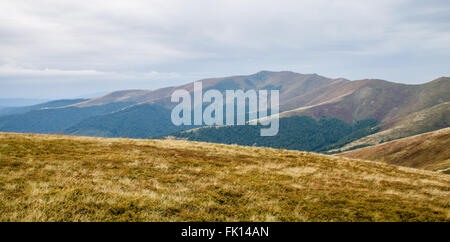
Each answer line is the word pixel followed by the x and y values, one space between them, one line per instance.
pixel 429 119
pixel 428 151
pixel 61 178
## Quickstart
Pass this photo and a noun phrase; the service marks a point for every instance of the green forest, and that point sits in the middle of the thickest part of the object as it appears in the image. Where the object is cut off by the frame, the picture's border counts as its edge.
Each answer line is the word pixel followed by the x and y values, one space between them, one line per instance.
pixel 295 133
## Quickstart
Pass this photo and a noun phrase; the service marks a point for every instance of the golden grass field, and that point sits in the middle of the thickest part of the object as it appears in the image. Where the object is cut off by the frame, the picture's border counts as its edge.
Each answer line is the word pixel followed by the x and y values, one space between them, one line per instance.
pixel 63 178
pixel 429 151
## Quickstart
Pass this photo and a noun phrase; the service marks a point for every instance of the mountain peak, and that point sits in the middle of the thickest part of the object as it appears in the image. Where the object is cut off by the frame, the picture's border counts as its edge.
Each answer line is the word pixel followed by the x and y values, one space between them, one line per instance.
pixel 441 79
pixel 128 95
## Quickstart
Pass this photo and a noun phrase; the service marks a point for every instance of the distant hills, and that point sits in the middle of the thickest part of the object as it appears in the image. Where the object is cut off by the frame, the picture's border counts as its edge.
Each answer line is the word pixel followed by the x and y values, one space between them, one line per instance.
pixel 384 101
pixel 290 84
pixel 401 110
pixel 397 111
pixel 428 151
pixel 54 120
pixel 136 121
pixel 19 102
pixel 51 104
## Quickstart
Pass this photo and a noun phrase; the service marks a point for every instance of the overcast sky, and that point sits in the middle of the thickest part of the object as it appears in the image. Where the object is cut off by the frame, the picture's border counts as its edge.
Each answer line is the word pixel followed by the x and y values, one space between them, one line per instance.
pixel 54 49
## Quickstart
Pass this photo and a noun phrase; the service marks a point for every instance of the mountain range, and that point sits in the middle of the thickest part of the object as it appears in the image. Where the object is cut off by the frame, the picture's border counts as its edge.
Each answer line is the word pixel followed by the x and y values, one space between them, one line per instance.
pixel 340 114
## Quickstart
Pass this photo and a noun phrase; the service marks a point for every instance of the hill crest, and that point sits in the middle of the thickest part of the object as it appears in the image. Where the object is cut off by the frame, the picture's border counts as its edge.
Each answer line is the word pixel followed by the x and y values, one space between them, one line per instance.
pixel 425 151
pixel 62 178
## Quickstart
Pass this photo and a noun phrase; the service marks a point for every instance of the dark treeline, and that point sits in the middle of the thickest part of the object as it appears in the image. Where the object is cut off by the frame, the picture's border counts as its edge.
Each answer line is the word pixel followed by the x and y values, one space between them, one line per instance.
pixel 296 133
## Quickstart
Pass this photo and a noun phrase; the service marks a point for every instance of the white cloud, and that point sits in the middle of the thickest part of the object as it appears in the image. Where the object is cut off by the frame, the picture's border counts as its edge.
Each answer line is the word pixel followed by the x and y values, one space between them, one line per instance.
pixel 122 40
pixel 24 75
pixel 13 71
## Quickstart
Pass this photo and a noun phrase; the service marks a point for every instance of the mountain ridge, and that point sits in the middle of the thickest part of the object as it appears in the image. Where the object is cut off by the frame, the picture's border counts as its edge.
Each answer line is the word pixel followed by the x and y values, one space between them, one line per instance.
pixel 393 105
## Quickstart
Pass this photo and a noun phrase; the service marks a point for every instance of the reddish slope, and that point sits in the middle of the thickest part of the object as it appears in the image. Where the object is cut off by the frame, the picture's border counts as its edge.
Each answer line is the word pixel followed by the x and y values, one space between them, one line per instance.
pixel 428 151
pixel 290 84
pixel 382 100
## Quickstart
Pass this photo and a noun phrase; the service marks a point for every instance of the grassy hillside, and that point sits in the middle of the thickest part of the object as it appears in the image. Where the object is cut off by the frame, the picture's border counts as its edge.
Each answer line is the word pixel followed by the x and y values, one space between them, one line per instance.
pixel 377 99
pixel 61 178
pixel 426 151
pixel 430 119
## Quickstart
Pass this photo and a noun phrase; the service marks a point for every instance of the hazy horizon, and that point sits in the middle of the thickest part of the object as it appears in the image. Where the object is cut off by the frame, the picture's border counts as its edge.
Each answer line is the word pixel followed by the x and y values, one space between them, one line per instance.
pixel 54 49
pixel 106 90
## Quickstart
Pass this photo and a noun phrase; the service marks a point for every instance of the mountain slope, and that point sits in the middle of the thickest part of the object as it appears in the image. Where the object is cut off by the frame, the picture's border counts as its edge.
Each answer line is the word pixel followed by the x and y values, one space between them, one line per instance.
pixel 378 99
pixel 19 102
pixel 309 95
pixel 391 104
pixel 289 83
pixel 46 105
pixel 426 120
pixel 295 133
pixel 54 120
pixel 79 116
pixel 426 151
pixel 61 178
pixel 137 121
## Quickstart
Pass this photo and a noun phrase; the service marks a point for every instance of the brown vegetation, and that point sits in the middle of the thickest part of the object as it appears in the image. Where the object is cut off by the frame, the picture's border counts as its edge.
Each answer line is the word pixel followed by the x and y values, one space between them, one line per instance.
pixel 62 178
pixel 428 151
pixel 430 119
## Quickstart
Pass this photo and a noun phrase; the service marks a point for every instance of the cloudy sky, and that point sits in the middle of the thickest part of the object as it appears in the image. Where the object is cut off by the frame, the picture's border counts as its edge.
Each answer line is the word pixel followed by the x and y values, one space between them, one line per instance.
pixel 55 49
